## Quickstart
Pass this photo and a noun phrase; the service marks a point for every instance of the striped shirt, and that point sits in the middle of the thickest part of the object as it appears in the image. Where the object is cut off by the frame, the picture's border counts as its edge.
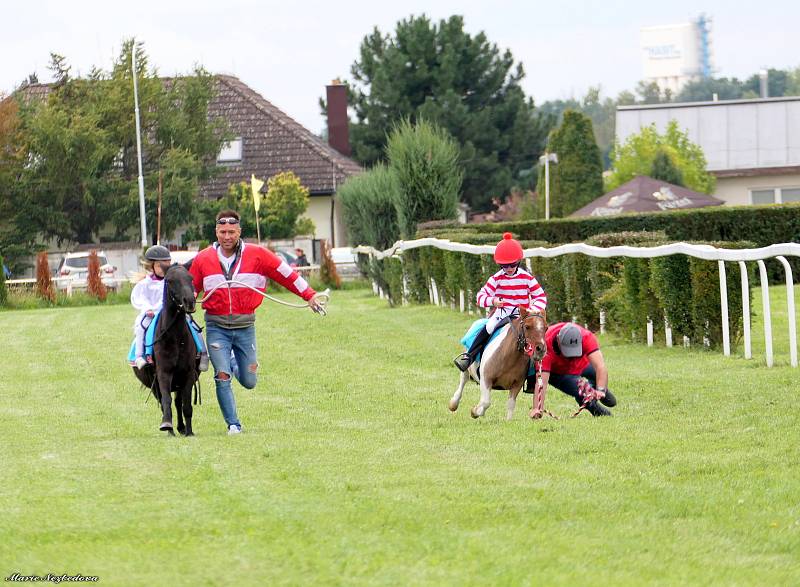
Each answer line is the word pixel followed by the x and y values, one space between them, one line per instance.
pixel 520 289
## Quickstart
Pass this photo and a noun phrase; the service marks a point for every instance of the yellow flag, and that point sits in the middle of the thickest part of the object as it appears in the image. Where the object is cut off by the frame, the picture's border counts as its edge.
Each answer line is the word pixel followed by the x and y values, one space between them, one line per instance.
pixel 256 185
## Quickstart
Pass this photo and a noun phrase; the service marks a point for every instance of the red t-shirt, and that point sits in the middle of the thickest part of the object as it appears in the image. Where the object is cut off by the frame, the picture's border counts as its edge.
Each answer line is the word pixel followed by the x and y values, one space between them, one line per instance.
pixel 561 365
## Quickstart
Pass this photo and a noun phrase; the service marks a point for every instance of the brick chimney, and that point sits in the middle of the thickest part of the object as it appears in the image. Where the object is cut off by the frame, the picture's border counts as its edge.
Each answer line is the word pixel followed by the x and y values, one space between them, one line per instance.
pixel 338 131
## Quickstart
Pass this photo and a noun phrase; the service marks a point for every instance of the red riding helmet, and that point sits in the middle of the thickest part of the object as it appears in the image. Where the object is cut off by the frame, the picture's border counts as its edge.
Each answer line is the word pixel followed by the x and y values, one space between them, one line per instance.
pixel 507 250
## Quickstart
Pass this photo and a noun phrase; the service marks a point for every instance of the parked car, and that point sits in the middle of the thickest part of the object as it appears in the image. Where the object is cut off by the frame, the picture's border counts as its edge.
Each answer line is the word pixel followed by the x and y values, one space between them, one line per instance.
pixel 345 260
pixel 74 268
pixel 288 257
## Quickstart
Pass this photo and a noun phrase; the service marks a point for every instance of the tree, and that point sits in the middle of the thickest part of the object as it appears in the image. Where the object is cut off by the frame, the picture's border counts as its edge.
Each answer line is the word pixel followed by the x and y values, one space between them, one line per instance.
pixel 462 83
pixel 577 179
pixel 637 155
pixel 703 90
pixel 664 169
pixel 285 201
pixel 425 161
pixel 81 170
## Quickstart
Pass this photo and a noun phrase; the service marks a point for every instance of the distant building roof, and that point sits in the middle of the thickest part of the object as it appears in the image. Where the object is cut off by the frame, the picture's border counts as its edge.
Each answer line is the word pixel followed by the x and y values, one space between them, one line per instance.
pixel 273 142
pixel 645 194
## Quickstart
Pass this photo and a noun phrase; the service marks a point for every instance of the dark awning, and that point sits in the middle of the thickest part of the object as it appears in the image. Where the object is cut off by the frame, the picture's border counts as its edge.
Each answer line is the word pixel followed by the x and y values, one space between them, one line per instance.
pixel 645 194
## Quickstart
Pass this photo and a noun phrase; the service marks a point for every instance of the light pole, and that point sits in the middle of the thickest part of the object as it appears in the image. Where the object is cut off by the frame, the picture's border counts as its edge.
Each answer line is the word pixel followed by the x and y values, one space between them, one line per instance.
pixel 138 145
pixel 546 159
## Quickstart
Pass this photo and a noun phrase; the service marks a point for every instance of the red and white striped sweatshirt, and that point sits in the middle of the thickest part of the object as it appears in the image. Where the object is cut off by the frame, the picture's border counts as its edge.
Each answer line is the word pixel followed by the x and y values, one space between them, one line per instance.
pixel 520 289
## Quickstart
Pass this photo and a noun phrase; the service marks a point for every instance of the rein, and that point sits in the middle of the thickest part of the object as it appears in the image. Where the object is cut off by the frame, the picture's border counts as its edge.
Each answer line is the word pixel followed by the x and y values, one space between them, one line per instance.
pixel 323 297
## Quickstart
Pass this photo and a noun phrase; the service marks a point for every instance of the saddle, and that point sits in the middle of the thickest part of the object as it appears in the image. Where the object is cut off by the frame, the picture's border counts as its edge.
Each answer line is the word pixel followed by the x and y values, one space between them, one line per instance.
pixel 475 328
pixel 150 334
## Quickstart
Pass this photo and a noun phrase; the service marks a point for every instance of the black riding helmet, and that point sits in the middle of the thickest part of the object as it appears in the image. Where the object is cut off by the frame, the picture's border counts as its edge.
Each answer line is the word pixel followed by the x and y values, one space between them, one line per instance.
pixel 157 253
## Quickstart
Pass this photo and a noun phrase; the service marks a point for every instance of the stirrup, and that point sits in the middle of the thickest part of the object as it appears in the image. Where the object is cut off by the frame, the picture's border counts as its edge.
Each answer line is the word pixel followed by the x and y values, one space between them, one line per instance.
pixel 463 362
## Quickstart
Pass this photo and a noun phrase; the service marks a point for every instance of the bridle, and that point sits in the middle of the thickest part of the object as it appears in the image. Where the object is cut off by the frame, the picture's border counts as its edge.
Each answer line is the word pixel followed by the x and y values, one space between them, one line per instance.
pixel 524 345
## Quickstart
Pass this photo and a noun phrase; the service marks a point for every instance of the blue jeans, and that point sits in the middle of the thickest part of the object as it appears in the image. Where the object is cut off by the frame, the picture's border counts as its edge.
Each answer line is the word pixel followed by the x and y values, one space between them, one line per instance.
pixel 220 342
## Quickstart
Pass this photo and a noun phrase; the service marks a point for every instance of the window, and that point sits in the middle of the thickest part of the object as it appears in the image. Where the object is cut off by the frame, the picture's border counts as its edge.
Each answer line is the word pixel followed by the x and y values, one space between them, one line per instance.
pixel 775 196
pixel 790 195
pixel 231 152
pixel 762 196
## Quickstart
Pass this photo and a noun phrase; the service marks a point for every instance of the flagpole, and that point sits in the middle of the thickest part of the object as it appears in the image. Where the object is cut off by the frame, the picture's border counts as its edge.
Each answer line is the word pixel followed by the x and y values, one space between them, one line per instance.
pixel 255 187
pixel 138 145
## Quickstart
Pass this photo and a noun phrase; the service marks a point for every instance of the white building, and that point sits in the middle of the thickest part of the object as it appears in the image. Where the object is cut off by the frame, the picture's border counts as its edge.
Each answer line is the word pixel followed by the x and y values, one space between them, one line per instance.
pixel 674 55
pixel 751 146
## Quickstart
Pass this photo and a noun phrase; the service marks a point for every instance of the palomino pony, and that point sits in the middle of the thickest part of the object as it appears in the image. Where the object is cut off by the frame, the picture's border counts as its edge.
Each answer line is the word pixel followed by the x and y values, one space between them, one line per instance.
pixel 505 361
pixel 175 363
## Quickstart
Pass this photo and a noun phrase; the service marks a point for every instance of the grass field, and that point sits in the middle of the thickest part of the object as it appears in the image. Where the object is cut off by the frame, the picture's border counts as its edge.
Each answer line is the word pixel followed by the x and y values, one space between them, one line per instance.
pixel 351 471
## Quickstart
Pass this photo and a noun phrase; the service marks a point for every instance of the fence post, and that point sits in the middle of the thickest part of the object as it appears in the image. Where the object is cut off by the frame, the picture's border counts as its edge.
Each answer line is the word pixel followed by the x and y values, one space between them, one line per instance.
pixel 649 332
pixel 461 300
pixel 762 270
pixel 602 321
pixel 667 332
pixel 748 347
pixel 790 305
pixel 723 300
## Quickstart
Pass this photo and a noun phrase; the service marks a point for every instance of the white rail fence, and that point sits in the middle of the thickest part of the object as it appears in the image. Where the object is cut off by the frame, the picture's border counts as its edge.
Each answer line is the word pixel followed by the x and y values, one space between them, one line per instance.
pixel 706 252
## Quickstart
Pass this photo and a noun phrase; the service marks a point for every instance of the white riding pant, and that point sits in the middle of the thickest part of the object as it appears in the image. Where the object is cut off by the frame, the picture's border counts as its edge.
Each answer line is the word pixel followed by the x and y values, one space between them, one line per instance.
pixel 138 332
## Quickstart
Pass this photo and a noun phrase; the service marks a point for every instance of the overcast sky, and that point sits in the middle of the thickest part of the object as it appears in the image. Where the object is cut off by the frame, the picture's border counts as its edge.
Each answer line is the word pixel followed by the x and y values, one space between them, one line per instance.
pixel 288 51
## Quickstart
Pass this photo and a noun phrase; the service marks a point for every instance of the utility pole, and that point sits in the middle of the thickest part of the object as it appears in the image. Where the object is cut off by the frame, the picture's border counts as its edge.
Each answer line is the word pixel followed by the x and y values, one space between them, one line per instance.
pixel 546 159
pixel 138 145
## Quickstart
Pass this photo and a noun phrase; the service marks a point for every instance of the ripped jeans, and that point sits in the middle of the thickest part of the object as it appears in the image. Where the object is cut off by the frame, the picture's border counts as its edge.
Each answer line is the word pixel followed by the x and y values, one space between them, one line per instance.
pixel 220 341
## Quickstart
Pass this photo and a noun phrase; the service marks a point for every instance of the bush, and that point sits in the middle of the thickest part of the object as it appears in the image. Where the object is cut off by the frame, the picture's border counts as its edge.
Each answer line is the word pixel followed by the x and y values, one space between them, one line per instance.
pixel 44 285
pixel 3 288
pixel 94 285
pixel 369 209
pixel 424 159
pixel 327 268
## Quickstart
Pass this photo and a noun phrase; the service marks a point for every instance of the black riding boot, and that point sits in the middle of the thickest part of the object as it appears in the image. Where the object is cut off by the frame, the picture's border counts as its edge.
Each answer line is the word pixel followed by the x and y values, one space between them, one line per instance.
pixel 463 361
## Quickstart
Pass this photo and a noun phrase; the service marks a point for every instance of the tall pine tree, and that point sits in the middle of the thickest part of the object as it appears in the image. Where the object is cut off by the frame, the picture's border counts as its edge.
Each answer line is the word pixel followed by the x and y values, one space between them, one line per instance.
pixel 460 82
pixel 577 179
pixel 665 170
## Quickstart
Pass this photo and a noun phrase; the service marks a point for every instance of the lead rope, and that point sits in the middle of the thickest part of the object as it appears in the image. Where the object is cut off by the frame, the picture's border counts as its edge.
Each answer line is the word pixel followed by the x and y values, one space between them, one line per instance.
pixel 322 298
pixel 537 365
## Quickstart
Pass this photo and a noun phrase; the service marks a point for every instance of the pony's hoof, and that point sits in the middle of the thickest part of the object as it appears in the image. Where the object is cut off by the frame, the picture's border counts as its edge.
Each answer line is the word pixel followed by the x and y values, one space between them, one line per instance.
pixel 165 425
pixel 474 413
pixel 452 406
pixel 188 433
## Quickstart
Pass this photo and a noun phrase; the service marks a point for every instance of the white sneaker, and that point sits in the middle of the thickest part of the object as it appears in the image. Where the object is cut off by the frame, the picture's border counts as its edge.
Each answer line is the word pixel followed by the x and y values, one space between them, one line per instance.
pixel 234 429
pixel 140 363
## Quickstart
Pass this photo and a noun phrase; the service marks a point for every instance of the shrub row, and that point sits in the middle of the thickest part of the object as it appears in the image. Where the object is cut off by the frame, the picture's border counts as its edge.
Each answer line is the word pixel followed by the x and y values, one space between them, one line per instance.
pixel 760 225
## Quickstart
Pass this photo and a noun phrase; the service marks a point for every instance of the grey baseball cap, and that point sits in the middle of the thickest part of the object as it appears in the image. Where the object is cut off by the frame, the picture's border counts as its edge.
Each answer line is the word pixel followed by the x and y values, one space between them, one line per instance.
pixel 570 340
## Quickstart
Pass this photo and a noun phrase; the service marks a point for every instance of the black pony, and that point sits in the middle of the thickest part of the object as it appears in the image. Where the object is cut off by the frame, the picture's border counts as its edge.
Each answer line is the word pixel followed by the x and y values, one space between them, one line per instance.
pixel 175 364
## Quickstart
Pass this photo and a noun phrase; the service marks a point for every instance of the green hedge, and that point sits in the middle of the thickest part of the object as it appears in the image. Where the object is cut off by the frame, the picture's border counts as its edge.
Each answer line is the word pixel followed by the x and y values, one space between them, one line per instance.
pixel 762 225
pixel 682 289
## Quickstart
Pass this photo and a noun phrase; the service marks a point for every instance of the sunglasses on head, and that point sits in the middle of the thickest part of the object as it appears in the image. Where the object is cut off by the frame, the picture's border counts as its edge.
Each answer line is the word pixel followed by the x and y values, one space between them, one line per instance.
pixel 228 221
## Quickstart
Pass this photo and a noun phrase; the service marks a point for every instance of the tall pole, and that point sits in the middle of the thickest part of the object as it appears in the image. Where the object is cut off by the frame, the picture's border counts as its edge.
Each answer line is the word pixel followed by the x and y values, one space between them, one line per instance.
pixel 158 212
pixel 546 185
pixel 138 145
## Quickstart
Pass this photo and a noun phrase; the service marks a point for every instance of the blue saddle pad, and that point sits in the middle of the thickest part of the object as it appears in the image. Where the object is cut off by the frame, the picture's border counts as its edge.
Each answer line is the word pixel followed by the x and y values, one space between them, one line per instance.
pixel 150 333
pixel 472 332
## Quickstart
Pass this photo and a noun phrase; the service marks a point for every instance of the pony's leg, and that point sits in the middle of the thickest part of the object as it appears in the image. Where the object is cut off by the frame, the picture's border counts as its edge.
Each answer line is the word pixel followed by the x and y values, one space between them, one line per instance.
pixel 187 408
pixel 512 403
pixel 165 384
pixel 485 402
pixel 456 399
pixel 179 411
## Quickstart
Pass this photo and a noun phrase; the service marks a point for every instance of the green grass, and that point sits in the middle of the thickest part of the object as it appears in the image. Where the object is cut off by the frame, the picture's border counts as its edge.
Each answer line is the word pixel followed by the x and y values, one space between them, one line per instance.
pixel 351 471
